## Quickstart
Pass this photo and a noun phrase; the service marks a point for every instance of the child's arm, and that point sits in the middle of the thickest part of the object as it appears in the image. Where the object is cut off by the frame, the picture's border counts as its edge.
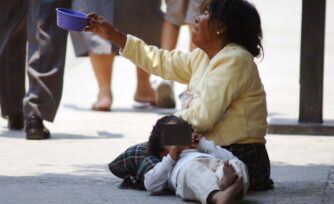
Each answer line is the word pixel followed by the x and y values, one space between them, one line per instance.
pixel 156 180
pixel 208 146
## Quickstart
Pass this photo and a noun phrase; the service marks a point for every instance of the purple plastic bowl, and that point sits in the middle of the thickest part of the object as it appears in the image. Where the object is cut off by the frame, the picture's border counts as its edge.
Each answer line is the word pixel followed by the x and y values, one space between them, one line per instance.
pixel 71 20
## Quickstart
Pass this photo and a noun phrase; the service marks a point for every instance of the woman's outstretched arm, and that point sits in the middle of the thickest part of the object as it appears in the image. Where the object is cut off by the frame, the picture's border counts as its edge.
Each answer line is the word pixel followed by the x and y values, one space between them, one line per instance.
pixel 174 65
pixel 98 25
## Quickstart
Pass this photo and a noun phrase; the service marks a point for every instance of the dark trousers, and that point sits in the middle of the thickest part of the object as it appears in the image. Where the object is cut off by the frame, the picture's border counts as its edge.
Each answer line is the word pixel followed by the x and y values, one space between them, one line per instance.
pixel 12 55
pixel 256 158
pixel 34 20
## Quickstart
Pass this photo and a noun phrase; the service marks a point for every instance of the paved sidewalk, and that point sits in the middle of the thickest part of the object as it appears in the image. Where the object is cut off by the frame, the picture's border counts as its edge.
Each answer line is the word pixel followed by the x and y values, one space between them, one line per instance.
pixel 71 167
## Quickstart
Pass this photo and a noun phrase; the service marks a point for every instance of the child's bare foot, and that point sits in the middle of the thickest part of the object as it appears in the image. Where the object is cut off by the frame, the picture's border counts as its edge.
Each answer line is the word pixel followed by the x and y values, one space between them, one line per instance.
pixel 229 194
pixel 229 176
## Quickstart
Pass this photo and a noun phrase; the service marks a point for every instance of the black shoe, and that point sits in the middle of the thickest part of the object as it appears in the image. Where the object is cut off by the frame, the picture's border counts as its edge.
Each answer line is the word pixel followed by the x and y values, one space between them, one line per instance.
pixel 35 129
pixel 15 122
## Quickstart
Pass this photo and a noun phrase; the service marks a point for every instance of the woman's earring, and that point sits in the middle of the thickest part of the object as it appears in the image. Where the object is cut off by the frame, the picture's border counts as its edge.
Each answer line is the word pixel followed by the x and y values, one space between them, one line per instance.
pixel 218 33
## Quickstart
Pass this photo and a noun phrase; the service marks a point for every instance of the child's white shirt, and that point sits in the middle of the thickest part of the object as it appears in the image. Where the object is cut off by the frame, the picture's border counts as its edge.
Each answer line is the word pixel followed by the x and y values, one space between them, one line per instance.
pixel 164 173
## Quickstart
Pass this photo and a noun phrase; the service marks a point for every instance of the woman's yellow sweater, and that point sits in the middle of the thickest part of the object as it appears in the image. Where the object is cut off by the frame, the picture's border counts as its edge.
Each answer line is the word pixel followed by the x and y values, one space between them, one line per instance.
pixel 228 102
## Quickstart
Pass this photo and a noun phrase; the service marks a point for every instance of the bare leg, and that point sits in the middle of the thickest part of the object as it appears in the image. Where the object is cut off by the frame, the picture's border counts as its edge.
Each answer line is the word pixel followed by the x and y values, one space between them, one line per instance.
pixel 229 194
pixel 102 66
pixel 229 176
pixel 169 35
pixel 164 91
pixel 192 45
pixel 144 91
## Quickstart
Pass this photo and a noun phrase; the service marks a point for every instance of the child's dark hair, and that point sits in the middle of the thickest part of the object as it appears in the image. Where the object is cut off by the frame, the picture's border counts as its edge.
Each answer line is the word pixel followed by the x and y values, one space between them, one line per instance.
pixel 155 146
pixel 242 22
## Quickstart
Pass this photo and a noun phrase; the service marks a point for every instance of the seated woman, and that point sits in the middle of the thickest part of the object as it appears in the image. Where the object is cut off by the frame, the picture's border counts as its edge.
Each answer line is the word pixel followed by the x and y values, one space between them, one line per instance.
pixel 227 101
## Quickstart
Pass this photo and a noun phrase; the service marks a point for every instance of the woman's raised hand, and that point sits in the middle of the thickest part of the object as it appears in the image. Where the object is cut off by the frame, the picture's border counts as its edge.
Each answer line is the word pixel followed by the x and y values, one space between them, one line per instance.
pixel 98 25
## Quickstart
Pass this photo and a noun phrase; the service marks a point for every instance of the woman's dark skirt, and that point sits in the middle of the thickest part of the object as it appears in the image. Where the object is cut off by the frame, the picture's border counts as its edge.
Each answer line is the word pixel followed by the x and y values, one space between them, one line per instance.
pixel 256 158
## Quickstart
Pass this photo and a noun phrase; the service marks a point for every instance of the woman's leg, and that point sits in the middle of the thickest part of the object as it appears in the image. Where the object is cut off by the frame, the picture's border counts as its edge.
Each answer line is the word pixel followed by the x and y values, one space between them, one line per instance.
pixel 102 66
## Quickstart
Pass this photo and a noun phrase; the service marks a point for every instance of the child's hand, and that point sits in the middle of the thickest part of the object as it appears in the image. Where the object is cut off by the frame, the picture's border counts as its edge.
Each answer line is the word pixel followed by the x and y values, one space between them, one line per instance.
pixel 175 151
pixel 98 25
pixel 195 140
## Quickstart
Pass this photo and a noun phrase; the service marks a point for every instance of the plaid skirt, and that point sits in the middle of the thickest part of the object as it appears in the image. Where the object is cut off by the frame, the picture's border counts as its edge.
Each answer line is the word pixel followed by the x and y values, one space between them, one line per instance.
pixel 256 158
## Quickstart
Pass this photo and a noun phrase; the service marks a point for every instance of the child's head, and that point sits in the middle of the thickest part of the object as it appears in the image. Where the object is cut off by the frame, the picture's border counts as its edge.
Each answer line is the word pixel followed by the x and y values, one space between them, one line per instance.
pixel 155 146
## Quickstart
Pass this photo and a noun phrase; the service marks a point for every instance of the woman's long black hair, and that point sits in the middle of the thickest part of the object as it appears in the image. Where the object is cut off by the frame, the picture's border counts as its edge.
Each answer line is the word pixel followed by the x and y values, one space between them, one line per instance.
pixel 242 22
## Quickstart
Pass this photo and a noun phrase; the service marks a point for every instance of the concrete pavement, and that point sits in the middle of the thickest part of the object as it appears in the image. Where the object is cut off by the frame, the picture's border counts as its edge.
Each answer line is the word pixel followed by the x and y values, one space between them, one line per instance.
pixel 71 167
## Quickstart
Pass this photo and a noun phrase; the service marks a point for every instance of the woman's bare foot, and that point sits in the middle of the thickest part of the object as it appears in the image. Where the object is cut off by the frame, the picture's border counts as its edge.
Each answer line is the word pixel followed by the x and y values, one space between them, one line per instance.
pixel 229 176
pixel 103 103
pixel 229 194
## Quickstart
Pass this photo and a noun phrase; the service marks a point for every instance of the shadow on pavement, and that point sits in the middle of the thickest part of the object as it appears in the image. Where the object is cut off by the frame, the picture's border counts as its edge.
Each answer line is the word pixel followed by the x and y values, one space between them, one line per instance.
pixel 94 184
pixel 106 134
pixel 93 187
pixel 161 111
pixel 101 135
pixel 64 136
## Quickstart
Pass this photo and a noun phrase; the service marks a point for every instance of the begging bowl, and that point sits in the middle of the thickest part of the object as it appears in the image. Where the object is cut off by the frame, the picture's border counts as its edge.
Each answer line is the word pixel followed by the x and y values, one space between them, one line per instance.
pixel 71 20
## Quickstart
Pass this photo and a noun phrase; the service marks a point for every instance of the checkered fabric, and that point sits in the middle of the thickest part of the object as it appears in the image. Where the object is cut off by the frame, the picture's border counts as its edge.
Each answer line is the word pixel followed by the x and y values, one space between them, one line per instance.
pixel 132 165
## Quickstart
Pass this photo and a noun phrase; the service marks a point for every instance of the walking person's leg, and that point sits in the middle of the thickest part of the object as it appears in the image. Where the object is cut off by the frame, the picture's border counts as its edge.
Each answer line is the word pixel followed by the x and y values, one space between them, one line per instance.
pixel 179 12
pixel 174 18
pixel 47 50
pixel 99 50
pixel 193 10
pixel 12 60
pixel 102 66
pixel 144 20
pixel 144 93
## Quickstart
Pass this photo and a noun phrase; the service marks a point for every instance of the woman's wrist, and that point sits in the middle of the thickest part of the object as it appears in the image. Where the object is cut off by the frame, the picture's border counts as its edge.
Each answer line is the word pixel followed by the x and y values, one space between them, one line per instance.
pixel 119 39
